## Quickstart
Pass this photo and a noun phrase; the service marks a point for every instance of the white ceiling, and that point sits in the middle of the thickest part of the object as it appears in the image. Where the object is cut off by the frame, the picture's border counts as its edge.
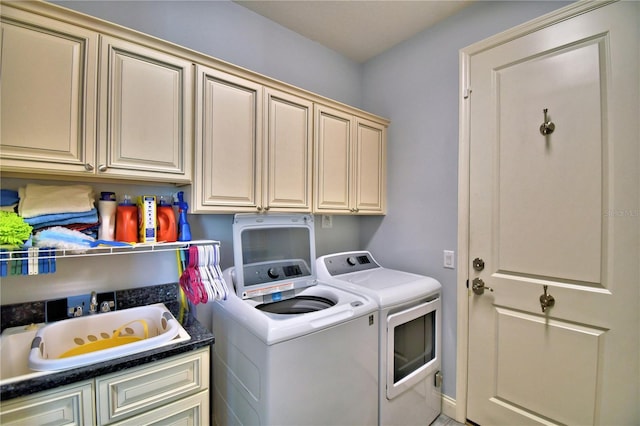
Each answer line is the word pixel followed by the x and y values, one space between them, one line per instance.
pixel 359 29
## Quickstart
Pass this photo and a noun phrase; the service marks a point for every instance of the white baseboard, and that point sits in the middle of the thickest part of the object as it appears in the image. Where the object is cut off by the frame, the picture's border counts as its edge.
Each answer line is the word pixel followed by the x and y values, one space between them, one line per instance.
pixel 448 406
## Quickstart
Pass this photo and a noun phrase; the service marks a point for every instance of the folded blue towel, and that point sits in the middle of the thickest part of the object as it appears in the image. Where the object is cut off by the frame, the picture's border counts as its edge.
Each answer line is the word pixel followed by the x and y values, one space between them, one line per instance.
pixel 8 197
pixel 47 220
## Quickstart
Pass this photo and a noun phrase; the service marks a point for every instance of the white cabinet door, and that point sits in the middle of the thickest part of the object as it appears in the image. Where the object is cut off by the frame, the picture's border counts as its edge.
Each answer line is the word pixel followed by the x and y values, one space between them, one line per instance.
pixel 72 404
pixel 228 167
pixel 350 175
pixel 288 152
pixel 145 113
pixel 370 167
pixel 129 393
pixel 333 135
pixel 192 411
pixel 48 89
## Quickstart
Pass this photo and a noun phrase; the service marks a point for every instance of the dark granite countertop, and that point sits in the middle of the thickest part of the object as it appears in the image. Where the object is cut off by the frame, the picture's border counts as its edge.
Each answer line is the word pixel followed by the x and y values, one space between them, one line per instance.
pixel 200 337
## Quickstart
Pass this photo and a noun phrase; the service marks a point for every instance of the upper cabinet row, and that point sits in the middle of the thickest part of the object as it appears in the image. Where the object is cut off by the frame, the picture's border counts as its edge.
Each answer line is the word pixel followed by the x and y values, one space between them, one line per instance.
pixel 74 102
pixel 83 102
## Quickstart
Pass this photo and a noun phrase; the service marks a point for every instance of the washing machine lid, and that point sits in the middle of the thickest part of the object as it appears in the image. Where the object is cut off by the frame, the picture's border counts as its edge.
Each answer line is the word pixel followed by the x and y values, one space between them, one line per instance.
pixel 273 253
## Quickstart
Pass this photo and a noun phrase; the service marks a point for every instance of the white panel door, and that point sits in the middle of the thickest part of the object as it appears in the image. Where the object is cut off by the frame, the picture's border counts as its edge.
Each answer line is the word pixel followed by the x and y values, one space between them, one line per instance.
pixel 559 211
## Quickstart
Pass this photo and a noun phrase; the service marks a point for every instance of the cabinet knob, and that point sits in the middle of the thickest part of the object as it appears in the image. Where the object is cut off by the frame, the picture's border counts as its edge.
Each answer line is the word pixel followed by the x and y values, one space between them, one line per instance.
pixel 266 209
pixel 102 168
pixel 259 208
pixel 88 167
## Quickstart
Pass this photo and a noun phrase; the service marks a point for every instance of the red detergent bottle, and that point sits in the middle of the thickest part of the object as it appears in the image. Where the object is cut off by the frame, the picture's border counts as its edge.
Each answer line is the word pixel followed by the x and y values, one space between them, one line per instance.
pixel 167 228
pixel 127 221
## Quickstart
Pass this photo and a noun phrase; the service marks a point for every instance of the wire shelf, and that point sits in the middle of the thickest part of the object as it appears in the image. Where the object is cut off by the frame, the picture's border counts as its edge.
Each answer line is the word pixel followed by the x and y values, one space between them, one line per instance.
pixel 56 253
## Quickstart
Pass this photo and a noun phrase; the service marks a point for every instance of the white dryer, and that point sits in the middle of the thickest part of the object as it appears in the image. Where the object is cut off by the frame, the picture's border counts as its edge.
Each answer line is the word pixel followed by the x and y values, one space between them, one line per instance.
pixel 409 333
pixel 290 350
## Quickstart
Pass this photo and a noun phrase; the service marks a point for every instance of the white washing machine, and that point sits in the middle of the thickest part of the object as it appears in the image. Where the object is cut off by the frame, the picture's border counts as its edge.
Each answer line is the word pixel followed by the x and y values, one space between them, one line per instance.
pixel 290 350
pixel 409 333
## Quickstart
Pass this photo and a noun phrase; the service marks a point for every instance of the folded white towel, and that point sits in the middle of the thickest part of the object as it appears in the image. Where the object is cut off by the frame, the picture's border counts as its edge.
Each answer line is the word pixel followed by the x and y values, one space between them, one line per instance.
pixel 36 200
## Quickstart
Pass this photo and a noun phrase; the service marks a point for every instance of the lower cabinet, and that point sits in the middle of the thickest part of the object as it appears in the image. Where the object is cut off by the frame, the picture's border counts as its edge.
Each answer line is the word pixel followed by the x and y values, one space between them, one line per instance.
pixel 171 391
pixel 66 405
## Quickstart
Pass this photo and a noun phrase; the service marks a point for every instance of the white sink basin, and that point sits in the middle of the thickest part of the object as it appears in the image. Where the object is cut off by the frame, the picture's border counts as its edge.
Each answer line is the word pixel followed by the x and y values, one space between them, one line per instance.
pixel 94 338
pixel 15 344
pixel 86 340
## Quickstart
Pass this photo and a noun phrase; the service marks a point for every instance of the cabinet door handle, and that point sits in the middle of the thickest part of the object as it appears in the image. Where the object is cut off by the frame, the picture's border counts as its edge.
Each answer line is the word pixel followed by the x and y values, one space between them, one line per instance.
pixel 102 168
pixel 88 167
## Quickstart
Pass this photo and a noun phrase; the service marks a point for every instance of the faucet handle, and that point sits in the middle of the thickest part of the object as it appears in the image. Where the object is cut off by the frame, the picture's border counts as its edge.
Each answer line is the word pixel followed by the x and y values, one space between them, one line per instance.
pixel 106 306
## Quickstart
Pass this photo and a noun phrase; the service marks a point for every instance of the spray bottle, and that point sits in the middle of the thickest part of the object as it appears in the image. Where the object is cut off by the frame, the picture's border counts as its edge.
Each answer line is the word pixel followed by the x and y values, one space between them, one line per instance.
pixel 184 230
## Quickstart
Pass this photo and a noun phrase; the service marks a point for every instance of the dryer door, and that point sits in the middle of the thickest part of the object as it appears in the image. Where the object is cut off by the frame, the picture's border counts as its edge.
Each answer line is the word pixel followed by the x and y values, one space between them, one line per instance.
pixel 413 346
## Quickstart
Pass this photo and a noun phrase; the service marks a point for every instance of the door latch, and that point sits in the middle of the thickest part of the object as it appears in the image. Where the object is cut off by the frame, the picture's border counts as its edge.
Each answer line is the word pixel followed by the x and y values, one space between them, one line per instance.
pixel 478 287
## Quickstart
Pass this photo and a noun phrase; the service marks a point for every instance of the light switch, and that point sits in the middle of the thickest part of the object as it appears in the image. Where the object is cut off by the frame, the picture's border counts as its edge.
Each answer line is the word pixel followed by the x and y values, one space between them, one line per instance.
pixel 449 257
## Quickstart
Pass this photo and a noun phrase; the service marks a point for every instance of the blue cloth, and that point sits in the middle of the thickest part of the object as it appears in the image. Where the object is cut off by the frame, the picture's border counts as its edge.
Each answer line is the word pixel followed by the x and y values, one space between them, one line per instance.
pixel 55 219
pixel 8 197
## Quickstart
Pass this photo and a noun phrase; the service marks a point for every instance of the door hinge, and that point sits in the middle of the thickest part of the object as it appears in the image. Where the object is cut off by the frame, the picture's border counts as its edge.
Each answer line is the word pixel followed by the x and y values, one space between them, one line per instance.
pixel 467 92
pixel 467 283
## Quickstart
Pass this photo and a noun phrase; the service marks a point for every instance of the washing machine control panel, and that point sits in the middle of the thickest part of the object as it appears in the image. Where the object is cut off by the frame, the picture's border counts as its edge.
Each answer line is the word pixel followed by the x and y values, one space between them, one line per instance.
pixel 264 272
pixel 343 263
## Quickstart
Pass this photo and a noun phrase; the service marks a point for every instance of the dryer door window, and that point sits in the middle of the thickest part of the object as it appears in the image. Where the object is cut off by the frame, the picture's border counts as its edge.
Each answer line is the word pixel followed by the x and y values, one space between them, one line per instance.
pixel 413 344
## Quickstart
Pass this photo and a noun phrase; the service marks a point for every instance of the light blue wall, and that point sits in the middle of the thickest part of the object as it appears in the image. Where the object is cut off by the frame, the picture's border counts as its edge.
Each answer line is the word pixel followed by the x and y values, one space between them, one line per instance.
pixel 234 34
pixel 415 84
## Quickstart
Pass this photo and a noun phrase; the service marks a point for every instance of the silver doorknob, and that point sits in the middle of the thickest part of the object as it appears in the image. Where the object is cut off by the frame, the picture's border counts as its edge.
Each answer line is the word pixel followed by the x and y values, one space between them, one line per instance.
pixel 478 287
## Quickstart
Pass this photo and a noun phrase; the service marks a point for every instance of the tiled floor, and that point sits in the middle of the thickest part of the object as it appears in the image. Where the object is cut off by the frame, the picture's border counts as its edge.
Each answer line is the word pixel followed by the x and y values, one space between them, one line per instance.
pixel 443 420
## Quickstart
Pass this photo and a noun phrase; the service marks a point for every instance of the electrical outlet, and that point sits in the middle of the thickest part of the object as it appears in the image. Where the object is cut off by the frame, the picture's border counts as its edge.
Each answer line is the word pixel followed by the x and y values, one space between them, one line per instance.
pixel 449 257
pixel 327 221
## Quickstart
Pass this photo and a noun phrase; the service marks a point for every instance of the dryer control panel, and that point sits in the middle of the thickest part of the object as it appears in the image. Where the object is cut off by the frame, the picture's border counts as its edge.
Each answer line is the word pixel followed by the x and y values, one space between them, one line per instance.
pixel 343 263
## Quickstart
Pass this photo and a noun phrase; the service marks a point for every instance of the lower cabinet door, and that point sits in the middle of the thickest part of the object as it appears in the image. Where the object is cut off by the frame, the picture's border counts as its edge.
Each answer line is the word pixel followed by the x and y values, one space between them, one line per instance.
pixel 193 411
pixel 132 392
pixel 67 405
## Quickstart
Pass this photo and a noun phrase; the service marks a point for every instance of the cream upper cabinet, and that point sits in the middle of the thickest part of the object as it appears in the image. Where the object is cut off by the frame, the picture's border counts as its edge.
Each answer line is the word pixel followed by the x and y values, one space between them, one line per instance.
pixel 370 169
pixel 256 146
pixel 228 169
pixel 51 96
pixel 48 87
pixel 145 128
pixel 288 152
pixel 350 161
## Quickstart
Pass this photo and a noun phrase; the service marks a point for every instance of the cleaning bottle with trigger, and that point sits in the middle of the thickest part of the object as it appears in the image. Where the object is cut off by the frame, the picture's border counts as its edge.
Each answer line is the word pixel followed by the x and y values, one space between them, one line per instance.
pixel 184 230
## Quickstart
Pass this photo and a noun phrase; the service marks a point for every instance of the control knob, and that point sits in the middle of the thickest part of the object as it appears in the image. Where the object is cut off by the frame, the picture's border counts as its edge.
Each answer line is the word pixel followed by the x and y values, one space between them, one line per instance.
pixel 273 273
pixel 351 260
